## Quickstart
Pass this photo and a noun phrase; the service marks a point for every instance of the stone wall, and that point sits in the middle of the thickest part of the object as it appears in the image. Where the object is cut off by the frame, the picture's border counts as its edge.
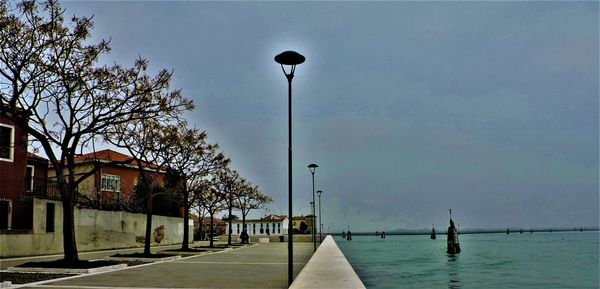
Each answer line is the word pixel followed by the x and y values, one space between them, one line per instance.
pixel 94 229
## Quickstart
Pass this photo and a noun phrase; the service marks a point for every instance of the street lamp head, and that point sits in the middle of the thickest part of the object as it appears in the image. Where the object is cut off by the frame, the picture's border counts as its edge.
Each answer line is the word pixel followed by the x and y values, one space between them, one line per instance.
pixel 291 58
pixel 319 193
pixel 312 168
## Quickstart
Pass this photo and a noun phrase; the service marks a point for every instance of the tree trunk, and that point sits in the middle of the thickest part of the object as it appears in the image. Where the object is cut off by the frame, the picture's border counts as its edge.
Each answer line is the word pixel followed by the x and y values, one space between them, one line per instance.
pixel 230 229
pixel 148 226
pixel 185 245
pixel 202 233
pixel 212 229
pixel 244 223
pixel 69 242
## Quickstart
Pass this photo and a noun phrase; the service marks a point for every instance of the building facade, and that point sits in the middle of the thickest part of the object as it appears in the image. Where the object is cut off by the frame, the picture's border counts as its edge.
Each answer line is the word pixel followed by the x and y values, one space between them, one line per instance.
pixel 266 226
pixel 13 163
pixel 114 182
pixel 202 227
pixel 23 175
pixel 31 209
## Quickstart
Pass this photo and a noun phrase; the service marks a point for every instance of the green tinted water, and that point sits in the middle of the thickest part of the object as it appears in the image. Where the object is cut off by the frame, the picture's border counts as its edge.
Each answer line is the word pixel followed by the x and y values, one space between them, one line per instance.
pixel 538 260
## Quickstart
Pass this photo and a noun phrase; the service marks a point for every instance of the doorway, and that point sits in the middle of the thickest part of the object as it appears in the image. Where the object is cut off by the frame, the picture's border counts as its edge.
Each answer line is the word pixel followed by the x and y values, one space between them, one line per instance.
pixel 4 215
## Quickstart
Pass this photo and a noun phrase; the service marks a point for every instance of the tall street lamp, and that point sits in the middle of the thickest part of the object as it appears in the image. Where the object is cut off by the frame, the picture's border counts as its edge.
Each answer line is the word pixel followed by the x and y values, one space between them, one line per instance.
pixel 312 168
pixel 290 59
pixel 319 192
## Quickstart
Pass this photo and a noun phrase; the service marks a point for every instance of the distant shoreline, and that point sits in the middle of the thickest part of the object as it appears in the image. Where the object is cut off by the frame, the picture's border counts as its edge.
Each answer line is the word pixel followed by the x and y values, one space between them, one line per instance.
pixel 495 231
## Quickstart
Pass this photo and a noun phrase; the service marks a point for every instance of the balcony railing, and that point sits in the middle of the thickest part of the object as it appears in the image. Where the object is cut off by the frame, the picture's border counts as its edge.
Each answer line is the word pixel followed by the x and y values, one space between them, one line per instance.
pixel 41 188
pixel 94 198
pixel 88 197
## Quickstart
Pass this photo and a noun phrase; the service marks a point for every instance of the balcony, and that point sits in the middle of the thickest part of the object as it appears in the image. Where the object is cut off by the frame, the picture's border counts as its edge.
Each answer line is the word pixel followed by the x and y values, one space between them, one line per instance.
pixel 42 188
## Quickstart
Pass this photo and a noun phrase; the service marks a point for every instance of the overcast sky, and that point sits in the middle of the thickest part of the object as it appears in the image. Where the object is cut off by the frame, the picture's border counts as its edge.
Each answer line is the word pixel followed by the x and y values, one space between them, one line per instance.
pixel 408 108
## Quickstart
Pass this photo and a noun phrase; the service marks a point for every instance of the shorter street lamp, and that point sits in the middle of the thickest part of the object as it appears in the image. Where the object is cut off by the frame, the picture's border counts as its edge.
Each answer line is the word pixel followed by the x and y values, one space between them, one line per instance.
pixel 312 207
pixel 312 168
pixel 319 192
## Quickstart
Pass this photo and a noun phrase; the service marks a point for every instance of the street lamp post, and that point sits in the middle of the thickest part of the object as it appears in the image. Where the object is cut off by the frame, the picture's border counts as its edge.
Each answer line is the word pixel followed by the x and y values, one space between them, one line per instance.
pixel 291 59
pixel 312 168
pixel 319 192
pixel 312 207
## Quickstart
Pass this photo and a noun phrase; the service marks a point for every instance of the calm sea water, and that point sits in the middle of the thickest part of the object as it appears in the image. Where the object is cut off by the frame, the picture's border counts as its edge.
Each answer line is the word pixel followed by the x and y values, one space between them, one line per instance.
pixel 538 260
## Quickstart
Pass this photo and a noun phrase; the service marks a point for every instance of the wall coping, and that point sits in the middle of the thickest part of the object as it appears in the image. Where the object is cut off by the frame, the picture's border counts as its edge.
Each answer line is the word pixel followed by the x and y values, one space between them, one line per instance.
pixel 328 268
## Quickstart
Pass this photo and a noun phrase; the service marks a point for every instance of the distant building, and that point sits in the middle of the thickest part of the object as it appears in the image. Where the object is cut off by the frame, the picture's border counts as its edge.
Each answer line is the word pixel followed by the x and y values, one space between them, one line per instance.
pixel 202 227
pixel 268 225
pixel 303 224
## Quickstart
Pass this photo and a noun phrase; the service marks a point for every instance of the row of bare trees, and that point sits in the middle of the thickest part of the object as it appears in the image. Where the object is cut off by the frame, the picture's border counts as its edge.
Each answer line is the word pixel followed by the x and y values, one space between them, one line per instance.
pixel 52 84
pixel 227 191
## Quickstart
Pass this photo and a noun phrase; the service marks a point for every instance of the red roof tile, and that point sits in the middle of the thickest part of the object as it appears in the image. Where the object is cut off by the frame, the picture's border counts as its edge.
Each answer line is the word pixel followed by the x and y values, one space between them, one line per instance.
pixel 34 156
pixel 110 156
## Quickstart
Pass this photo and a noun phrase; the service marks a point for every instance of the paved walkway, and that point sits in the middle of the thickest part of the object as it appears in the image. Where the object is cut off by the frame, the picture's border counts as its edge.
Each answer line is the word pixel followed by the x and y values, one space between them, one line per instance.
pixel 258 266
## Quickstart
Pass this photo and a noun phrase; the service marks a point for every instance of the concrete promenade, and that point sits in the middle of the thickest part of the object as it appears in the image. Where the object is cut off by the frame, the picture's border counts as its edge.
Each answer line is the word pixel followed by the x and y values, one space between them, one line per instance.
pixel 328 268
pixel 257 266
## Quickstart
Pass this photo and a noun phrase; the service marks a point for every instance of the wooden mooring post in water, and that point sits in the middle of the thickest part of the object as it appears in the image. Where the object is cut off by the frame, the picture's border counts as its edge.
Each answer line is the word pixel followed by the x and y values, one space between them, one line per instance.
pixel 453 245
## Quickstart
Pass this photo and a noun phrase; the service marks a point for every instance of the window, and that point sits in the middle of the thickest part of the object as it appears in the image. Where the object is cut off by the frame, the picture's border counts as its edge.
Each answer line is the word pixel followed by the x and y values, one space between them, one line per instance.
pixel 29 179
pixel 138 180
pixel 49 217
pixel 238 228
pixel 7 139
pixel 111 183
pixel 253 229
pixel 262 231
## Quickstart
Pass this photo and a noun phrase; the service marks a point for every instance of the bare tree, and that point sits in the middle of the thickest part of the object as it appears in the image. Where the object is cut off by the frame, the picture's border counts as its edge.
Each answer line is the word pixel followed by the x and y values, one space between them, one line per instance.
pixel 201 211
pixel 229 183
pixel 212 200
pixel 51 84
pixel 248 197
pixel 196 160
pixel 153 147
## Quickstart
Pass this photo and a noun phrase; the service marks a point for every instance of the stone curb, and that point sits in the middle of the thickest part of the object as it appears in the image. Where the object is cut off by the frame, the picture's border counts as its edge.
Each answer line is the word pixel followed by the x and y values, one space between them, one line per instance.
pixel 66 270
pixel 143 259
pixel 327 268
pixel 190 253
pixel 93 273
pixel 210 249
